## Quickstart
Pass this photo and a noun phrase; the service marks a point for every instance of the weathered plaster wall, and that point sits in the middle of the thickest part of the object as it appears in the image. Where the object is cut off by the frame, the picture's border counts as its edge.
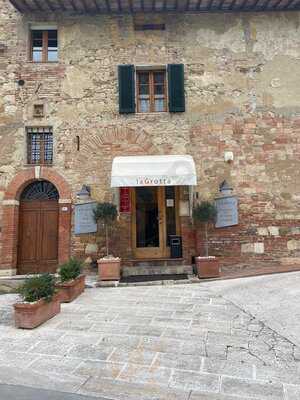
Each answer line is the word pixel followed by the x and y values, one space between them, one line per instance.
pixel 242 94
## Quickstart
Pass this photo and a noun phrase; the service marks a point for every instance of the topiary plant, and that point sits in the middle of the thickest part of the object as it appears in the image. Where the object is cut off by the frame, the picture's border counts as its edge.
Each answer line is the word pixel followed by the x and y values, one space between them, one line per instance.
pixel 206 213
pixel 70 270
pixel 38 287
pixel 106 213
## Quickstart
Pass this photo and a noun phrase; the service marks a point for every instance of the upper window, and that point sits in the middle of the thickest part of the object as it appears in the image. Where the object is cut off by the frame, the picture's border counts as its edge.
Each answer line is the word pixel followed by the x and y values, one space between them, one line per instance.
pixel 151 91
pixel 39 146
pixel 44 45
pixel 146 90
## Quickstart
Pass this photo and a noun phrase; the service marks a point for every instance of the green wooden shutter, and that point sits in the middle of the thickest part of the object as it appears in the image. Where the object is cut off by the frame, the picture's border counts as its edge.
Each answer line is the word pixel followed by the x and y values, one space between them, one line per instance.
pixel 176 87
pixel 126 89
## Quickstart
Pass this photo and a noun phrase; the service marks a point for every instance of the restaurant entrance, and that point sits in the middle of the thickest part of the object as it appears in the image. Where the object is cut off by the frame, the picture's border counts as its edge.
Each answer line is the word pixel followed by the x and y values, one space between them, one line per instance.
pixel 154 219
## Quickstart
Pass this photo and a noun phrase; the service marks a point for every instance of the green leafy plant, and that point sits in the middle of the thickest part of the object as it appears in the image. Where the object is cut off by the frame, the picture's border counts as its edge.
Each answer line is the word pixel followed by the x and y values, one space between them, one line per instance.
pixel 70 270
pixel 38 287
pixel 106 214
pixel 205 213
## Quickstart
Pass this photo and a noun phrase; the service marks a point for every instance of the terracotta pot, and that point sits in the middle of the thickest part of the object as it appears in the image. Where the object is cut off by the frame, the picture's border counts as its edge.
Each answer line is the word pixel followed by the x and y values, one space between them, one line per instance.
pixel 31 315
pixel 68 291
pixel 207 267
pixel 109 269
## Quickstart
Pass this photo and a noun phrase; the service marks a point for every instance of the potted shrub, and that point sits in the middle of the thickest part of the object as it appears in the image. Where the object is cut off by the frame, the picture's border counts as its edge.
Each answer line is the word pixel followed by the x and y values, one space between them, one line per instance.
pixel 109 267
pixel 71 281
pixel 40 302
pixel 207 266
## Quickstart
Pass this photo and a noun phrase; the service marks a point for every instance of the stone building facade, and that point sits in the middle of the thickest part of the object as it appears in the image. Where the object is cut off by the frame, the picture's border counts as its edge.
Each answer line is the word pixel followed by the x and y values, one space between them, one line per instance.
pixel 241 82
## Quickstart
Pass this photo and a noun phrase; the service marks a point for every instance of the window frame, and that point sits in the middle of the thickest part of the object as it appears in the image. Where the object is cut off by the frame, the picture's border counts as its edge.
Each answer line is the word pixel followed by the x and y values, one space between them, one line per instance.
pixel 151 72
pixel 45 48
pixel 41 132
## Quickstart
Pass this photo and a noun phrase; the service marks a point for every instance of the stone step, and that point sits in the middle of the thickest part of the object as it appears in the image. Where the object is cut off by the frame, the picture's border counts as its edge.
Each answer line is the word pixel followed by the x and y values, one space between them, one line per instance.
pixel 157 270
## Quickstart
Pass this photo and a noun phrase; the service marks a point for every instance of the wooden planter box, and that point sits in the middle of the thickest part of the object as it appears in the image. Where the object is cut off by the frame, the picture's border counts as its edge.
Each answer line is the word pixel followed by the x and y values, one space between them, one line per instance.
pixel 207 267
pixel 109 269
pixel 68 291
pixel 31 315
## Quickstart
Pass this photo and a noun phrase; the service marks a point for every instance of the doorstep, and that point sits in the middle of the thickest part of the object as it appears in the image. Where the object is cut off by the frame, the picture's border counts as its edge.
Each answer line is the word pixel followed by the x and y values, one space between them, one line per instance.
pixel 158 269
pixel 146 262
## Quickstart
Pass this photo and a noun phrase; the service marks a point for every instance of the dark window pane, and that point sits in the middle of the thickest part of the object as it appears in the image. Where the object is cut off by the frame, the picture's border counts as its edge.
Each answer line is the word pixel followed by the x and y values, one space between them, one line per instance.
pixel 52 46
pixel 37 45
pixel 144 89
pixel 144 78
pixel 158 77
pixel 158 89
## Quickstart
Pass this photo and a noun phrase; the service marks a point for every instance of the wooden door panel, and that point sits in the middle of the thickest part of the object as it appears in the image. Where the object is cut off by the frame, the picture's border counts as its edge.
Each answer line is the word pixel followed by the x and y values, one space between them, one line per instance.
pixel 29 236
pixel 49 233
pixel 38 237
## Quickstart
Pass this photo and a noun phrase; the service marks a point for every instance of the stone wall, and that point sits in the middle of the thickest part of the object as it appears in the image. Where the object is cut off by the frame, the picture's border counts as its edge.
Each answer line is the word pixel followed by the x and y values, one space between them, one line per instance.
pixel 242 95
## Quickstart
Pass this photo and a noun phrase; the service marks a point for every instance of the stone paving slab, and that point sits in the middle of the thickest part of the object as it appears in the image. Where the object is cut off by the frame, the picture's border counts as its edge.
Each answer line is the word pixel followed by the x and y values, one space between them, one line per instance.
pixel 177 342
pixel 13 392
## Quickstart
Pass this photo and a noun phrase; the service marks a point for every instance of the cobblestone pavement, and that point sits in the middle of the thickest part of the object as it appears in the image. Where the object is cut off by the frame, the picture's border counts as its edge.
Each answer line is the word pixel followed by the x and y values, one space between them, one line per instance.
pixel 176 342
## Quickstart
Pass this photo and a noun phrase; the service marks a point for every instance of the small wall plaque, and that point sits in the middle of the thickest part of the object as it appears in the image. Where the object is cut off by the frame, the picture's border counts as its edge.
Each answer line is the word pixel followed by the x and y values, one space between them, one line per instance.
pixel 227 208
pixel 84 218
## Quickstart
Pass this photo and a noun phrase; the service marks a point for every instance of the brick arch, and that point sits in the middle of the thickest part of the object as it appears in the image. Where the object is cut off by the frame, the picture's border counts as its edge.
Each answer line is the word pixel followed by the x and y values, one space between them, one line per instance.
pixel 25 177
pixel 10 227
pixel 122 139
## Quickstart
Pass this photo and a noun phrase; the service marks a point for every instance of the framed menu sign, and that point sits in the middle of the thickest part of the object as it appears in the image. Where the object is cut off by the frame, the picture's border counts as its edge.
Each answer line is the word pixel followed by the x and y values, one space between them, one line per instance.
pixel 227 211
pixel 84 218
pixel 125 206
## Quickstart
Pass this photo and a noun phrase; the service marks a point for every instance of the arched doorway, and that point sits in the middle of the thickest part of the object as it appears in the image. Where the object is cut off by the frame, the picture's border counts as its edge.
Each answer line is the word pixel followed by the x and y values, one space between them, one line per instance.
pixel 38 228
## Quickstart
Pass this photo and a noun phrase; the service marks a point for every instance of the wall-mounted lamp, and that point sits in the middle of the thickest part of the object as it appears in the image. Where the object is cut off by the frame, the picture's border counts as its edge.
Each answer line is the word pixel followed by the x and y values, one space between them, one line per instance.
pixel 84 193
pixel 225 189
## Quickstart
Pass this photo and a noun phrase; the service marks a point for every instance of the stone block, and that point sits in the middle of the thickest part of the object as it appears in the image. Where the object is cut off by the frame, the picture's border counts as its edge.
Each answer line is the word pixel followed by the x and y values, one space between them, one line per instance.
pixel 262 231
pixel 256 248
pixel 290 375
pixel 118 390
pixel 90 352
pixel 213 396
pixel 225 367
pixel 178 361
pixel 293 245
pixel 99 369
pixel 295 230
pixel 64 365
pixel 91 248
pixel 292 392
pixel 125 341
pixel 273 230
pixel 188 380
pixel 251 388
pixel 148 375
pixel 141 357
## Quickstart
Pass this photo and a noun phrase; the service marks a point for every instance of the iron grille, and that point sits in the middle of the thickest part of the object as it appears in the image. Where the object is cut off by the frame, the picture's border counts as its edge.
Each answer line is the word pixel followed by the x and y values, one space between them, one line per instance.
pixel 40 146
pixel 40 190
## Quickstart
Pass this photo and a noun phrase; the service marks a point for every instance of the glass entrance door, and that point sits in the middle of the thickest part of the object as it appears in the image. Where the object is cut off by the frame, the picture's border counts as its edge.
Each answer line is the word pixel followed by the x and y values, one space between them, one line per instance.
pixel 153 219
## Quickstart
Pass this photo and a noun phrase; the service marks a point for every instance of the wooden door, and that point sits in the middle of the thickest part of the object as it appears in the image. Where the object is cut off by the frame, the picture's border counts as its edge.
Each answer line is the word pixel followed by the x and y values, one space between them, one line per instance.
pixel 152 222
pixel 38 237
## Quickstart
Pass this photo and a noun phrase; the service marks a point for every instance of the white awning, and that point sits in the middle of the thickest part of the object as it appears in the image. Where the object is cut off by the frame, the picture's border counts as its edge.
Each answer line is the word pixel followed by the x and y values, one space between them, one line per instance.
pixel 173 170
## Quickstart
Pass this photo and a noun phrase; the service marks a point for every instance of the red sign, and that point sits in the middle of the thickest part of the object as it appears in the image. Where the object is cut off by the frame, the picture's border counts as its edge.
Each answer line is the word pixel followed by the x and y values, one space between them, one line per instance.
pixel 124 200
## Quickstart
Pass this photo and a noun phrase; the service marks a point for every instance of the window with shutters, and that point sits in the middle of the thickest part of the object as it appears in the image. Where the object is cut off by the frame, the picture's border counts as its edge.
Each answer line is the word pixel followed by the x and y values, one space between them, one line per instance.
pixel 151 91
pixel 44 45
pixel 39 146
